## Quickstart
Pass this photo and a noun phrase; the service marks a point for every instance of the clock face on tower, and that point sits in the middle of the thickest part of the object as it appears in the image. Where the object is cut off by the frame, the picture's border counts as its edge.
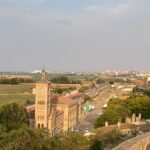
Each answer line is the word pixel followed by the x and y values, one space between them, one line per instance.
pixel 40 91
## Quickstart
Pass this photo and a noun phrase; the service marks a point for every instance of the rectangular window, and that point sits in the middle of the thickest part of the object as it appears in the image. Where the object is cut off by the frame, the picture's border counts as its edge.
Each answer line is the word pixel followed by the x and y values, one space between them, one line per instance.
pixel 41 102
pixel 40 117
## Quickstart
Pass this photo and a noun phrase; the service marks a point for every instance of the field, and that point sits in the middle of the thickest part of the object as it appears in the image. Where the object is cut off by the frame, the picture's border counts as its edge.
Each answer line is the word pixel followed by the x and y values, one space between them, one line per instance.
pixel 69 76
pixel 16 93
pixel 23 92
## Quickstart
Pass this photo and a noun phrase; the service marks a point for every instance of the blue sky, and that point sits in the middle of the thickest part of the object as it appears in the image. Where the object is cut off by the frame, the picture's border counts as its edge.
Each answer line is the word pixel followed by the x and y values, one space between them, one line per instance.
pixel 74 35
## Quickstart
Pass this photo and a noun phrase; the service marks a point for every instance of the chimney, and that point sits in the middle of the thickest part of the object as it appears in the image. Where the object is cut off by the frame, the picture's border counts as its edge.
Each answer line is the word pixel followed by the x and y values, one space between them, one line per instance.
pixel 106 123
pixel 140 117
pixel 133 118
pixel 119 124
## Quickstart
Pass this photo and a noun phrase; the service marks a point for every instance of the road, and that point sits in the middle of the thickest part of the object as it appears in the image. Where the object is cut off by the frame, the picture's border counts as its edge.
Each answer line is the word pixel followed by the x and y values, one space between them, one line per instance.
pixel 89 118
pixel 96 90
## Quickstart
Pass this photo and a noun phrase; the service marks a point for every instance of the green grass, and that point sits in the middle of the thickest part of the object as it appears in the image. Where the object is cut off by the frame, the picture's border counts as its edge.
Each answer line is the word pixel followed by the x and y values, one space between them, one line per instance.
pixel 23 92
pixel 16 89
pixel 21 99
pixel 16 93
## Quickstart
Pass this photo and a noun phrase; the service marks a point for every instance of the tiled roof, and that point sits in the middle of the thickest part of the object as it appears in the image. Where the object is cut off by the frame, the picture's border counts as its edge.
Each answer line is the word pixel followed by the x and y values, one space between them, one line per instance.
pixel 66 100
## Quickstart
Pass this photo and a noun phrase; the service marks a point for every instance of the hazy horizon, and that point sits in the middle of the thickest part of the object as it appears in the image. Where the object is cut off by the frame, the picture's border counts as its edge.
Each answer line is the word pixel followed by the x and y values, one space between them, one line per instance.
pixel 67 35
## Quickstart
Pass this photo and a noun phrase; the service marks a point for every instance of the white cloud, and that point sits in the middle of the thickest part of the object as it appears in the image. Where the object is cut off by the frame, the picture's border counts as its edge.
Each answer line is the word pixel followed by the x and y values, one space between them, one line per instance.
pixel 111 9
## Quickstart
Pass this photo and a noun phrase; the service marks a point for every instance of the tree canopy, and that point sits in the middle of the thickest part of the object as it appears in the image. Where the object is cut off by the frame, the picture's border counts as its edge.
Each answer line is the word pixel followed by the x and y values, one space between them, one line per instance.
pixel 119 109
pixel 13 116
pixel 15 136
pixel 64 80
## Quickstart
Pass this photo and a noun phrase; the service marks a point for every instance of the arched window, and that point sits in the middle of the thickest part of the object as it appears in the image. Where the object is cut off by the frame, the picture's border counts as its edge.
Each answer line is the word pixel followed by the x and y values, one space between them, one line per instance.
pixel 38 125
pixel 42 125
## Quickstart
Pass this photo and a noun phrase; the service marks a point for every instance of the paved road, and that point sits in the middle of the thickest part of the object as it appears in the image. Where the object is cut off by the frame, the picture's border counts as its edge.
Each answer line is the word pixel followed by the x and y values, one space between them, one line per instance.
pixel 89 118
pixel 96 90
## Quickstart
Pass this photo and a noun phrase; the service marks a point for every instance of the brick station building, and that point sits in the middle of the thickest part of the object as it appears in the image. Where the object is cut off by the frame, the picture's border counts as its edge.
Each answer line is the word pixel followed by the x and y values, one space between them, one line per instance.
pixel 56 113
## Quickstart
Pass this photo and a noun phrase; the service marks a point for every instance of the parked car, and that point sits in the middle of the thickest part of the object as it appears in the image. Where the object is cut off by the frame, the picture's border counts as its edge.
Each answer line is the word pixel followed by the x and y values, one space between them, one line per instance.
pixel 87 130
pixel 100 113
pixel 105 106
pixel 76 130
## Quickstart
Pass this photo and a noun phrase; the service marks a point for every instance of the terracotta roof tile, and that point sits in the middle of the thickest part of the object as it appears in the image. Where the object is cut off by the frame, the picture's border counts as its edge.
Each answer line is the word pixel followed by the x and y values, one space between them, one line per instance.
pixel 66 100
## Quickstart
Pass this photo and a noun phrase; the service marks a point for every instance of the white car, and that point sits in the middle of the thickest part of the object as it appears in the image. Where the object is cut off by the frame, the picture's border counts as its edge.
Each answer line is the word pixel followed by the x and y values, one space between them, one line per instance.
pixel 105 106
pixel 92 107
pixel 87 130
pixel 100 113
pixel 76 130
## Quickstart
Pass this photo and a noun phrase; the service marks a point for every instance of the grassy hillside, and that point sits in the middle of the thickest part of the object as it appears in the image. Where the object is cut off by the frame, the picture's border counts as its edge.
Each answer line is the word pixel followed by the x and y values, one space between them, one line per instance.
pixel 16 93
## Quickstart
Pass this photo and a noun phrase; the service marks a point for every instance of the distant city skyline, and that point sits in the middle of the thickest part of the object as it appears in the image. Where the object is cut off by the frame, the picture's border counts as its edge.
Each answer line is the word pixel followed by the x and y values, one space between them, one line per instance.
pixel 67 35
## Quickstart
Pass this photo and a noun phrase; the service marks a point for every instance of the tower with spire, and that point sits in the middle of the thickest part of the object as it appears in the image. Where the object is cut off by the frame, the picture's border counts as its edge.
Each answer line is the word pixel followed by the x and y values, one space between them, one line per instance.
pixel 56 113
pixel 43 74
pixel 42 101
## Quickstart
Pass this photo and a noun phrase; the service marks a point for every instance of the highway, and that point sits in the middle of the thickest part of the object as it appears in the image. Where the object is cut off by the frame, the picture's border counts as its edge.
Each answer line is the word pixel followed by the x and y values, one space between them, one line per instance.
pixel 89 118
pixel 96 90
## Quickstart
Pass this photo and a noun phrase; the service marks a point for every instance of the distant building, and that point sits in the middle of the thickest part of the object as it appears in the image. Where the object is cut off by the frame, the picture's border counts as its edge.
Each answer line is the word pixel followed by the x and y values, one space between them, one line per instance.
pixel 148 81
pixel 56 113
pixel 36 71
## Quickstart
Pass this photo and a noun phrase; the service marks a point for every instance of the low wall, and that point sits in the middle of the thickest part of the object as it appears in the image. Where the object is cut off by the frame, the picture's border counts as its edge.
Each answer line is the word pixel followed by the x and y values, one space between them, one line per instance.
pixel 140 142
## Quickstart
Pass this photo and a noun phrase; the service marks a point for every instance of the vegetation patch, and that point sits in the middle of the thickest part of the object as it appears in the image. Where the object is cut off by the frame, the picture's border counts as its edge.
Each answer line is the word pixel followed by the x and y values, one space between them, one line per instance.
pixel 118 110
pixel 21 93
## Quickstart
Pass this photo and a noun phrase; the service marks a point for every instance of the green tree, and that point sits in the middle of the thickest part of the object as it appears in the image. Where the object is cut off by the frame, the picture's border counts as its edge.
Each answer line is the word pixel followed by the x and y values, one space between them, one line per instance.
pixel 106 141
pixel 111 82
pixel 13 116
pixel 61 79
pixel 112 114
pixel 73 141
pixel 22 139
pixel 87 97
pixel 119 109
pixel 29 102
pixel 9 81
pixel 100 81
